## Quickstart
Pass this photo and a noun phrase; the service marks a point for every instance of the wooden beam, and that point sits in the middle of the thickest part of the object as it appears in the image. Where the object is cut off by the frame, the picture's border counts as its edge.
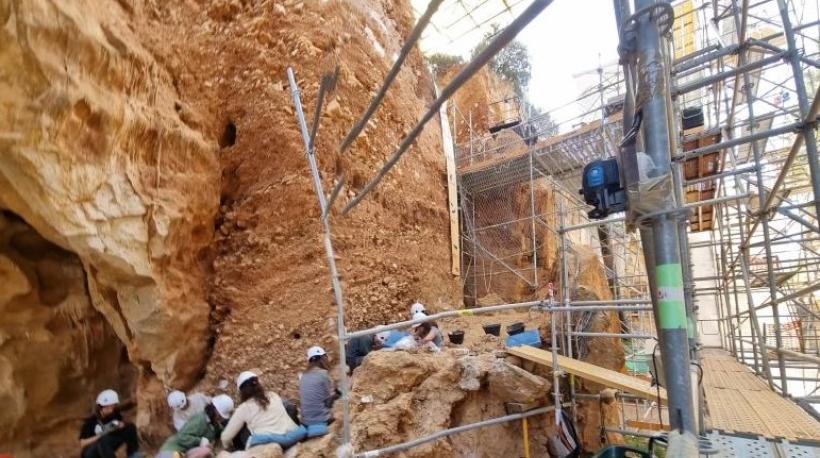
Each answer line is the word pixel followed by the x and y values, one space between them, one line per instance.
pixel 646 425
pixel 592 373
pixel 452 192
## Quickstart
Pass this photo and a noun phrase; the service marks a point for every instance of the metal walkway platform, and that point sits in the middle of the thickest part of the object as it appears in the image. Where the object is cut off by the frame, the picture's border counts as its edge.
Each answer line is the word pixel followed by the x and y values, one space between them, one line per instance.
pixel 739 402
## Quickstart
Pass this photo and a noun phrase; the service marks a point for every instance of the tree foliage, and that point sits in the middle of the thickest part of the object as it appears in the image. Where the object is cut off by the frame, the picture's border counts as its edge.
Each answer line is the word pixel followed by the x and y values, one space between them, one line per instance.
pixel 511 64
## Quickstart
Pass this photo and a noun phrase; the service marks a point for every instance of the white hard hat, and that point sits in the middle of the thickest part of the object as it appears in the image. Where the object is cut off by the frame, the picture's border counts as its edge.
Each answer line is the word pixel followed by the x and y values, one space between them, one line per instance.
pixel 315 351
pixel 383 336
pixel 224 405
pixel 177 400
pixel 416 308
pixel 244 377
pixel 108 398
pixel 418 315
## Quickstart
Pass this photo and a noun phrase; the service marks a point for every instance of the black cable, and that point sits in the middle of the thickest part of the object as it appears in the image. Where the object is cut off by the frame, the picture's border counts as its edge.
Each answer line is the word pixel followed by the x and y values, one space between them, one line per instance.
pixel 657 386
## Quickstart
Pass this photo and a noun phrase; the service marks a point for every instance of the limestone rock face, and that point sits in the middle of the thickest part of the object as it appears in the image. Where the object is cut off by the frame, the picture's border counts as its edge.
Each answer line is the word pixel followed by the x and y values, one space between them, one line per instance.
pixel 399 396
pixel 96 157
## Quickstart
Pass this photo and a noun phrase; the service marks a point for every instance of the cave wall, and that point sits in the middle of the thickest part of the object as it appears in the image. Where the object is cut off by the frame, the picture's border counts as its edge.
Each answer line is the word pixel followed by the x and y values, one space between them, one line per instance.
pixel 55 347
pixel 156 142
pixel 99 155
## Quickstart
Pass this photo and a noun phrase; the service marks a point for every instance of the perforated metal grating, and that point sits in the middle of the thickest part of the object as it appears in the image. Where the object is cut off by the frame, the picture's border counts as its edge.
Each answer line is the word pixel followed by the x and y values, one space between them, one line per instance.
pixel 754 447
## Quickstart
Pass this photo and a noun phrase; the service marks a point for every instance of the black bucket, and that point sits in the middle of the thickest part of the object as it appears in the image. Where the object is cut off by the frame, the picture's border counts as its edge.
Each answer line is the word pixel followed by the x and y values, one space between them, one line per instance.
pixel 692 117
pixel 494 329
pixel 515 328
pixel 456 337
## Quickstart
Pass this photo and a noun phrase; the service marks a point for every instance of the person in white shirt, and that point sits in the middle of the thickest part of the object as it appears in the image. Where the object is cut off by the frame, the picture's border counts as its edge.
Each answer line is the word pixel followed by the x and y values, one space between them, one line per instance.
pixel 184 407
pixel 264 415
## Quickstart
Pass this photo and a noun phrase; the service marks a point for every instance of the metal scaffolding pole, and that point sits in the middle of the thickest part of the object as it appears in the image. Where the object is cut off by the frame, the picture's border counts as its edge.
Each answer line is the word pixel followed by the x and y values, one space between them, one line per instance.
pixel 672 322
pixel 802 100
pixel 331 260
pixel 766 236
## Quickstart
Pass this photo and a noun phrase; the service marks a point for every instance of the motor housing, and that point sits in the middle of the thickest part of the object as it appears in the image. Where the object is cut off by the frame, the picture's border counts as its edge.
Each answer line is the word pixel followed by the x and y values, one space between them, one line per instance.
pixel 601 188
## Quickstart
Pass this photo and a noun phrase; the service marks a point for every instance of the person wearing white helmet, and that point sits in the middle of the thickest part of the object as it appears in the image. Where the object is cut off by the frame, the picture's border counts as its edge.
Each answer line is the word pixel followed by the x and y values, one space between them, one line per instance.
pixel 104 432
pixel 184 407
pixel 416 308
pixel 264 415
pixel 316 393
pixel 197 437
pixel 427 334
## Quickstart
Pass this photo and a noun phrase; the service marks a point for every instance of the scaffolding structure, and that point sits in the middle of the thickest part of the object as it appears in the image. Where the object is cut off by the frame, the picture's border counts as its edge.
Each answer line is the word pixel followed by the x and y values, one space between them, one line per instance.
pixel 746 176
pixel 746 190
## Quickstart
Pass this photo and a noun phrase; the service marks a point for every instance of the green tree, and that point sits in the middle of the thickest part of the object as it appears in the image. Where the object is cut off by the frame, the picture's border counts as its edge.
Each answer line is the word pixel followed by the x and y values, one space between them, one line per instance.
pixel 511 64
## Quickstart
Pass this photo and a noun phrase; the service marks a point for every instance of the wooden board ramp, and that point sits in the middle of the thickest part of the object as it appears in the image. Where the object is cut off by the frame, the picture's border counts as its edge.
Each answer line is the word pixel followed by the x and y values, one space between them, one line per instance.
pixel 591 372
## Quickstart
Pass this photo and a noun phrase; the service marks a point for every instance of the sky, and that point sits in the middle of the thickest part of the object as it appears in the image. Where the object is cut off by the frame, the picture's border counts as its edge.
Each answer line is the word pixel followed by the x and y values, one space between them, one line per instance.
pixel 568 38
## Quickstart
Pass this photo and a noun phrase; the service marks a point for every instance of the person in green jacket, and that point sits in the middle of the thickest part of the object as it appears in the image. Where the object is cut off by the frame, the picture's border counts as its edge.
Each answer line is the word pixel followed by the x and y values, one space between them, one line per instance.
pixel 196 437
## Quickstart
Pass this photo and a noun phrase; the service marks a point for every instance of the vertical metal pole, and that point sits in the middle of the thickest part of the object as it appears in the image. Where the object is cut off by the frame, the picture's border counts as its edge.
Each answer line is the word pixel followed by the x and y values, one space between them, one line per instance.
pixel 724 281
pixel 803 102
pixel 565 296
pixel 470 132
pixel 554 316
pixel 628 159
pixel 717 296
pixel 331 260
pixel 532 222
pixel 761 197
pixel 672 323
pixel 731 275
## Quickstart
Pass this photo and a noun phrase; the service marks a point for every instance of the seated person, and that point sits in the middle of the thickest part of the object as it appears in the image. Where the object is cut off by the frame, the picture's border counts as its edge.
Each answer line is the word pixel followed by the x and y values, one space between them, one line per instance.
pixel 316 393
pixel 416 308
pixel 359 347
pixel 184 407
pixel 264 415
pixel 427 334
pixel 105 431
pixel 196 437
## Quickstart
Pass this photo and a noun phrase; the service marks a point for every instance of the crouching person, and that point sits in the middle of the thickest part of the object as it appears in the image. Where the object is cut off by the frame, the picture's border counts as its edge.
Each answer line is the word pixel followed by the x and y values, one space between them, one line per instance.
pixel 316 393
pixel 184 407
pixel 105 431
pixel 264 416
pixel 196 437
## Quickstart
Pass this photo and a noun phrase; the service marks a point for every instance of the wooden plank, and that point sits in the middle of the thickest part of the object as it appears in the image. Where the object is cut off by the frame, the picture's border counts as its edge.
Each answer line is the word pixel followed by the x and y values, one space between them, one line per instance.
pixel 592 372
pixel 555 140
pixel 452 192
pixel 647 425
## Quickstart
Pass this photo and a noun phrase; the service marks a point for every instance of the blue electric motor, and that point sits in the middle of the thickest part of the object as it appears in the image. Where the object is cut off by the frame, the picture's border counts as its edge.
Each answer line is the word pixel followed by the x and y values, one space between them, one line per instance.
pixel 601 188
